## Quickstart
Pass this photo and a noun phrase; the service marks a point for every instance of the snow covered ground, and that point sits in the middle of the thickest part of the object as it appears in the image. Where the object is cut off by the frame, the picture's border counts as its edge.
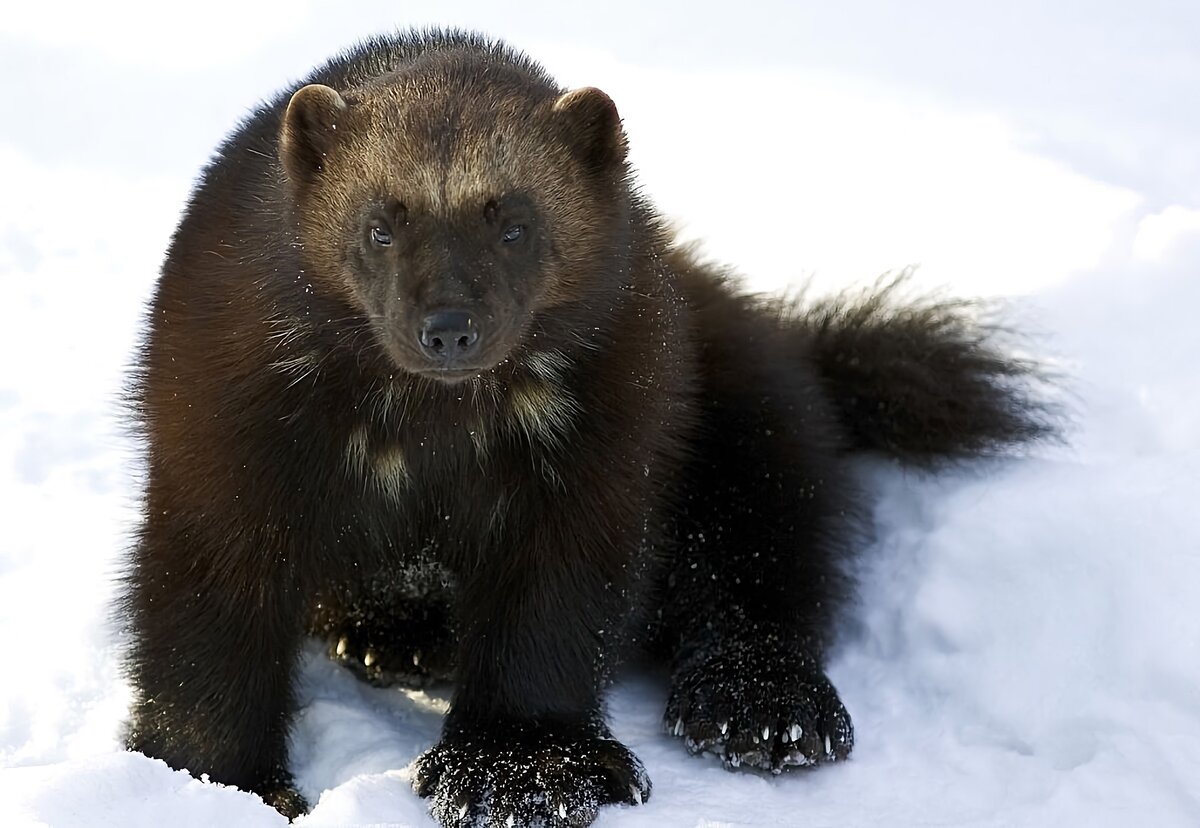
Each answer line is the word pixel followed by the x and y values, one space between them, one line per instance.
pixel 1027 647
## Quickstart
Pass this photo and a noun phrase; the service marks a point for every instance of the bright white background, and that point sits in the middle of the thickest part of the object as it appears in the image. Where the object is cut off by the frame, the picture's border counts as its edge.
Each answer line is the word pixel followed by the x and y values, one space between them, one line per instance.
pixel 1027 649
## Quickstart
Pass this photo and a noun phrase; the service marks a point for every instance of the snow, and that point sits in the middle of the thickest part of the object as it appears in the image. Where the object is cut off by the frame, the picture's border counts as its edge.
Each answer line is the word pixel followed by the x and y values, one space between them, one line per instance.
pixel 1026 649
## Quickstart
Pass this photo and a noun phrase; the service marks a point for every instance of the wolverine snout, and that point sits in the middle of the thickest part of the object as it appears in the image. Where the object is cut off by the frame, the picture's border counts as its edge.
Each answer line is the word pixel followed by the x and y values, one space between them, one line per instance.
pixel 449 338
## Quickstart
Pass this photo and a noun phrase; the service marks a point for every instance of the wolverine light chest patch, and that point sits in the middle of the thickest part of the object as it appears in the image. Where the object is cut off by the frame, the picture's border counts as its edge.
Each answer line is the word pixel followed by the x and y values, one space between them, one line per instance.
pixel 542 411
pixel 384 467
pixel 536 405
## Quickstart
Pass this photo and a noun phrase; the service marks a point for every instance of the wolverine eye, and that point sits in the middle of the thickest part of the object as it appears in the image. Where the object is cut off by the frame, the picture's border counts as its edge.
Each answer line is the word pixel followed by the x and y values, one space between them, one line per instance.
pixel 513 234
pixel 381 236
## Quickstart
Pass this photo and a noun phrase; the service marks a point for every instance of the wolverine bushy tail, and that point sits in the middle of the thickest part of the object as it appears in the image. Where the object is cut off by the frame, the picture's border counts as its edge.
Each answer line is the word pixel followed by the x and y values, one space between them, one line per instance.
pixel 924 379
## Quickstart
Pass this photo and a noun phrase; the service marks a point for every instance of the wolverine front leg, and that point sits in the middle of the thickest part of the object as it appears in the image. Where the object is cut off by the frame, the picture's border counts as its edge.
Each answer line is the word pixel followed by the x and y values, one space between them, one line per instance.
pixel 525 741
pixel 215 626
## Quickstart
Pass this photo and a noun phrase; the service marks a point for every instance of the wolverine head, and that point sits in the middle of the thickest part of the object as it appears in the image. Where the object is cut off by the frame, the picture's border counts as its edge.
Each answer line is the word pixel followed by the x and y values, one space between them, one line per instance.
pixel 453 201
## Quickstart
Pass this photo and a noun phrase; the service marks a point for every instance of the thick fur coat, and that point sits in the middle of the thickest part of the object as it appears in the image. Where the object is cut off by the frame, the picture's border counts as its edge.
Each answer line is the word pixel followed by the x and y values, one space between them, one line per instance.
pixel 427 377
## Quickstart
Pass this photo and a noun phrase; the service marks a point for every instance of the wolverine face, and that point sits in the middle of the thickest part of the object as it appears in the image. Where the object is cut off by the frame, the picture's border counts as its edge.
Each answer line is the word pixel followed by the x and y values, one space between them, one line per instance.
pixel 449 293
pixel 452 207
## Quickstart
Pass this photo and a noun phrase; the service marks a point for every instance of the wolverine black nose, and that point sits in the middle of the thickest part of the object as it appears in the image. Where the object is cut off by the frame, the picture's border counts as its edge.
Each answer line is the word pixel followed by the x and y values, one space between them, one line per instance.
pixel 449 337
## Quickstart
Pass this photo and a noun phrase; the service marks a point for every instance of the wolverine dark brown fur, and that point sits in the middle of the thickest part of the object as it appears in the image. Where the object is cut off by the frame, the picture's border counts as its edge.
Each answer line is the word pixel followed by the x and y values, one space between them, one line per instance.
pixel 427 377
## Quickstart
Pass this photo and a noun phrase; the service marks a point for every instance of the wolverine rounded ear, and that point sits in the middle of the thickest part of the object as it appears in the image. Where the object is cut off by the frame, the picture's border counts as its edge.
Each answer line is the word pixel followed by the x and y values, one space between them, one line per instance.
pixel 309 130
pixel 592 127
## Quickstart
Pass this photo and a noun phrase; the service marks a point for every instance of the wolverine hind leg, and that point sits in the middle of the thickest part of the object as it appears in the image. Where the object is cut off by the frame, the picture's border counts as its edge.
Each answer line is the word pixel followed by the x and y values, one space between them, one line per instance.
pixel 756 575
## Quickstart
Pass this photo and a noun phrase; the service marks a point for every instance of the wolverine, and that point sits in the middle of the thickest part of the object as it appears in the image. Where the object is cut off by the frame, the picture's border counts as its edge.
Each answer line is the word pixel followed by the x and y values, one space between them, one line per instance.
pixel 426 376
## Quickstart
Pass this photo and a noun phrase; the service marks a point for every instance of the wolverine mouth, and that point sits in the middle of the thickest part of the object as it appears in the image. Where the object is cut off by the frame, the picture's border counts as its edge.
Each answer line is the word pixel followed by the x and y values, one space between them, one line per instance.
pixel 451 376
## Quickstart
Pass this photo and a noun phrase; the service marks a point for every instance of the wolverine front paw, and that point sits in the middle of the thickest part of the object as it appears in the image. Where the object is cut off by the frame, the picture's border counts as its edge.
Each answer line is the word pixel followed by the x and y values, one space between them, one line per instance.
pixel 758 707
pixel 274 785
pixel 282 795
pixel 521 778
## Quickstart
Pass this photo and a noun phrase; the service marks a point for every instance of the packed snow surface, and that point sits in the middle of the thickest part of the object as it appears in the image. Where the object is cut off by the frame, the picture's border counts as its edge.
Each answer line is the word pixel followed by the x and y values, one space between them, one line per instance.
pixel 1026 647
